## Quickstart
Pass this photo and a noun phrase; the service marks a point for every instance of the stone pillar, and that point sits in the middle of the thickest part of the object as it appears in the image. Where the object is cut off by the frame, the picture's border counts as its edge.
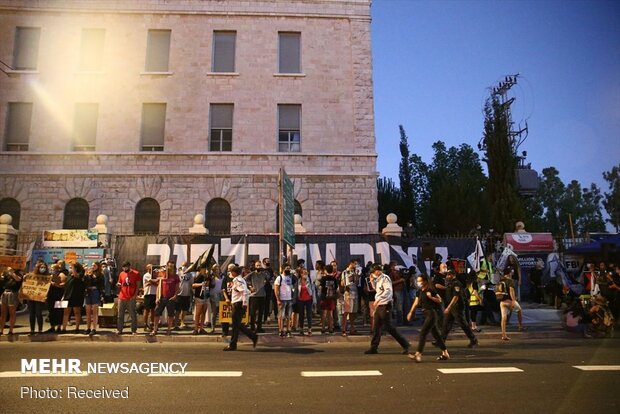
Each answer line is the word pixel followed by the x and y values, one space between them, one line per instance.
pixel 104 238
pixel 199 225
pixel 299 227
pixel 8 236
pixel 392 229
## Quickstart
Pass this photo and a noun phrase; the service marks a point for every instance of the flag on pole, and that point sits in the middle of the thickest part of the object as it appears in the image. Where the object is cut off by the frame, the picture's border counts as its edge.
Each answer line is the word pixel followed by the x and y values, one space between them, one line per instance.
pixel 204 260
pixel 475 258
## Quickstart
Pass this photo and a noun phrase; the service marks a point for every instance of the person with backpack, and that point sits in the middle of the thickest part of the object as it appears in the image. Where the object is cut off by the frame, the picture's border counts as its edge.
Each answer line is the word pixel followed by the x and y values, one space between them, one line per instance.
pixel 455 311
pixel 507 296
pixel 329 294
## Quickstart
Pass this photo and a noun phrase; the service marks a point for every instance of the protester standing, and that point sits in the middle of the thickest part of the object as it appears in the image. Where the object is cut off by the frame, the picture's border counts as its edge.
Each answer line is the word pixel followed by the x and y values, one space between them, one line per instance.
pixel 35 308
pixel 55 295
pixel 149 285
pixel 11 282
pixel 128 284
pixel 167 290
pixel 74 295
pixel 94 282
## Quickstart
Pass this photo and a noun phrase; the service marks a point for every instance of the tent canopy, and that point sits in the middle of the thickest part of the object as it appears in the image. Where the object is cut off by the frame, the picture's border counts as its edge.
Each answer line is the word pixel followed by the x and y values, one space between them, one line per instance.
pixel 596 246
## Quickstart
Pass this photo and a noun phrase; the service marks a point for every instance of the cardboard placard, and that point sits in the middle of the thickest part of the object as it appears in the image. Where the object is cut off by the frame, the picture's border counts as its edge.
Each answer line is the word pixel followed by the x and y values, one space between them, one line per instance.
pixel 35 287
pixel 226 313
pixel 16 262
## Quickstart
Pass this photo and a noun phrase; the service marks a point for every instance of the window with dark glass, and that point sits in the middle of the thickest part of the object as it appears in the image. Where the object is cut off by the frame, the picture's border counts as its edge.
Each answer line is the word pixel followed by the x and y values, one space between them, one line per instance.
pixel 91 49
pixel 217 217
pixel 76 214
pixel 26 48
pixel 289 128
pixel 289 56
pixel 157 51
pixel 85 126
pixel 153 126
pixel 221 121
pixel 17 130
pixel 11 207
pixel 146 218
pixel 224 51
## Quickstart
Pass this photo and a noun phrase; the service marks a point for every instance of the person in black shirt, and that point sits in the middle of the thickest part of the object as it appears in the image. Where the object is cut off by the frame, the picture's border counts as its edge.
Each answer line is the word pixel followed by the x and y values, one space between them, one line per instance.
pixel 455 311
pixel 11 281
pixel 428 299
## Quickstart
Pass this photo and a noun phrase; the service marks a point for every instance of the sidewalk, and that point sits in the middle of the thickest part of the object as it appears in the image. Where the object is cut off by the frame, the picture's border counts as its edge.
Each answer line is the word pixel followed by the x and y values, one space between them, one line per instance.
pixel 540 321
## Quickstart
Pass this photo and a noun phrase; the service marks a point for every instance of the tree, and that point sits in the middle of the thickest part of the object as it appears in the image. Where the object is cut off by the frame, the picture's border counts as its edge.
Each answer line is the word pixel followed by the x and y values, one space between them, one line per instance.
pixel 590 218
pixel 504 201
pixel 612 199
pixel 456 184
pixel 405 177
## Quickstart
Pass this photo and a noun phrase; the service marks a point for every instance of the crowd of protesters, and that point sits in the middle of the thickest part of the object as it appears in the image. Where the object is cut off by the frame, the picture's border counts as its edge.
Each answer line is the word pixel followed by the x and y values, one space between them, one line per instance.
pixel 339 298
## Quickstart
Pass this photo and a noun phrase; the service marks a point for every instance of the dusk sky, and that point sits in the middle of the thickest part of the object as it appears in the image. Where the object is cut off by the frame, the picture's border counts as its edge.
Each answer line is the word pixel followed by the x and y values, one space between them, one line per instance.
pixel 434 62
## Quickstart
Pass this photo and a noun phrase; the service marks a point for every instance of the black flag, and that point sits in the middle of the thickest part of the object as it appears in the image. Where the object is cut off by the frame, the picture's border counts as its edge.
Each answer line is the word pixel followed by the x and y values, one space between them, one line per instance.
pixel 204 260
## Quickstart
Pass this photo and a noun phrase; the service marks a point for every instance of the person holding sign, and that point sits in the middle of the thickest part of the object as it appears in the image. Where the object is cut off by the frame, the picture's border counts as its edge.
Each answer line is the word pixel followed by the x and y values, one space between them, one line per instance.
pixel 35 307
pixel 11 282
pixel 239 300
pixel 54 296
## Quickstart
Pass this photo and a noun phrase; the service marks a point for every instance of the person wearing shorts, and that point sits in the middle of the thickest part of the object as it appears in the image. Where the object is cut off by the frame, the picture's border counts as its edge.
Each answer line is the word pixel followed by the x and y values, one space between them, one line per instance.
pixel 169 287
pixel 149 283
pixel 283 286
pixel 507 296
pixel 11 281
pixel 329 293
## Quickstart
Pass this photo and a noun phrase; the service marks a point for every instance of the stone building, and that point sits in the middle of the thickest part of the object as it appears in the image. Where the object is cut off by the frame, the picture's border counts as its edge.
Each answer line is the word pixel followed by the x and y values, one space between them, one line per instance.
pixel 151 112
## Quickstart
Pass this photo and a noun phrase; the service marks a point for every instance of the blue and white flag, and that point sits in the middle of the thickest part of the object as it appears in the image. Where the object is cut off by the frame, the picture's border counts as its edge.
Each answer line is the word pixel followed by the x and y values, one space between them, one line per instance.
pixel 475 258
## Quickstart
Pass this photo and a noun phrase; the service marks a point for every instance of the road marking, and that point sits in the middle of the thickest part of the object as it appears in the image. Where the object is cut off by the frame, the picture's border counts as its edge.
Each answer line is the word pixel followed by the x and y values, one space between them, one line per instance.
pixel 491 370
pixel 340 373
pixel 216 374
pixel 598 367
pixel 18 374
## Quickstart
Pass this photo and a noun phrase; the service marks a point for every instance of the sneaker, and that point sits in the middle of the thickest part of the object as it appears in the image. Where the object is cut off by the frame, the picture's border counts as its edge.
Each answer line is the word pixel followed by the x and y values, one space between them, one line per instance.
pixel 288 334
pixel 118 332
pixel 281 334
pixel 443 357
pixel 309 332
pixel 195 332
pixel 229 348
pixel 183 325
pixel 254 341
pixel 417 357
pixel 87 332
pixel 93 332
pixel 473 344
pixel 371 351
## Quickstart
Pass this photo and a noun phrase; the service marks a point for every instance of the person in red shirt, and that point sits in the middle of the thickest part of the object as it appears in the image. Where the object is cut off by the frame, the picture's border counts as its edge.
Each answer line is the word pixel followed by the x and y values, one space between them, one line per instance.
pixel 167 290
pixel 128 284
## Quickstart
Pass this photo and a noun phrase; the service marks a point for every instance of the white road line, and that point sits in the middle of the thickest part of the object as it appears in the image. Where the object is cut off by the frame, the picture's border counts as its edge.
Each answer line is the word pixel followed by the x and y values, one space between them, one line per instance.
pixel 18 374
pixel 598 367
pixel 490 370
pixel 340 373
pixel 201 374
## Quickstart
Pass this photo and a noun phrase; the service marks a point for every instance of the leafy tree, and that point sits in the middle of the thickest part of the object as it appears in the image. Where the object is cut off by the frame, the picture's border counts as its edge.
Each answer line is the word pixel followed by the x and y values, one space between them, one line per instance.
pixel 590 217
pixel 421 192
pixel 456 184
pixel 612 199
pixel 405 177
pixel 504 201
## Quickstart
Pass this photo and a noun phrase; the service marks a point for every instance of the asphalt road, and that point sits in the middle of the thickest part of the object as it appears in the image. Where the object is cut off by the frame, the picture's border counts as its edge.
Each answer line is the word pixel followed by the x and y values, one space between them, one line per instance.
pixel 271 378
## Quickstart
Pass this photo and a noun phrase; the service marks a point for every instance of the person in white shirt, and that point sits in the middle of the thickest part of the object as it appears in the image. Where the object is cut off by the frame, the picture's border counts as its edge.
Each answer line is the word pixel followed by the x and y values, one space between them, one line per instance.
pixel 239 301
pixel 283 287
pixel 383 310
pixel 150 296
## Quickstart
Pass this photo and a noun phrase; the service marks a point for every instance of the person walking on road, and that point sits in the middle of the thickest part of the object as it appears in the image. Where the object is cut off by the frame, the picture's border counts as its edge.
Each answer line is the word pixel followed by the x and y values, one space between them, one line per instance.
pixel 384 300
pixel 428 299
pixel 239 301
pixel 455 311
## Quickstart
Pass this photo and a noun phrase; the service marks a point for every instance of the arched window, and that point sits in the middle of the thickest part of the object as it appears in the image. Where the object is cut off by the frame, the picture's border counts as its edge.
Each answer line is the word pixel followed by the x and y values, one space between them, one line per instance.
pixel 12 207
pixel 146 218
pixel 297 210
pixel 76 214
pixel 217 217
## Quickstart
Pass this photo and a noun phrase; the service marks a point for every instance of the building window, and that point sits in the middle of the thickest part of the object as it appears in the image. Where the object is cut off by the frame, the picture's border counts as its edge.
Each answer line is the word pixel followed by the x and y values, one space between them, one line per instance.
pixel 217 217
pixel 85 126
pixel 11 207
pixel 289 128
pixel 146 219
pixel 221 121
pixel 91 50
pixel 157 51
pixel 17 132
pixel 153 126
pixel 26 50
pixel 76 214
pixel 289 56
pixel 224 51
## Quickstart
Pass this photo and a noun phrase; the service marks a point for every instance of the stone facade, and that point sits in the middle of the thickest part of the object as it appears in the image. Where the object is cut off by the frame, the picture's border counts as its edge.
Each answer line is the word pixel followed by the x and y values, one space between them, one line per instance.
pixel 334 173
